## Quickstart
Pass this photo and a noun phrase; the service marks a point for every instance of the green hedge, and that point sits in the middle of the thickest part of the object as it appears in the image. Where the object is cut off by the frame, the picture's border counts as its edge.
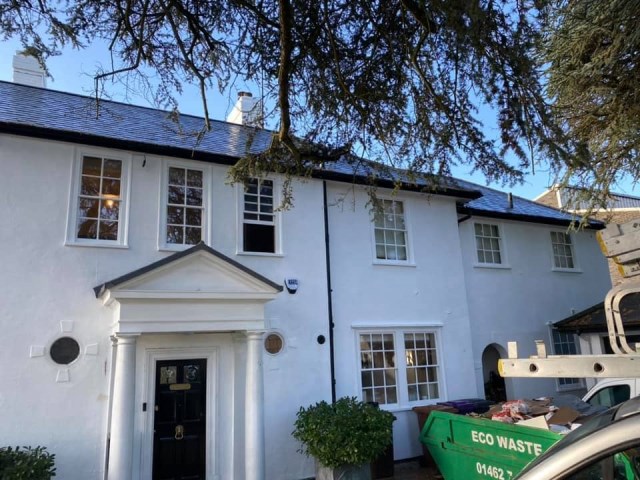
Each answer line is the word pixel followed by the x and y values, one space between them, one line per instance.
pixel 26 463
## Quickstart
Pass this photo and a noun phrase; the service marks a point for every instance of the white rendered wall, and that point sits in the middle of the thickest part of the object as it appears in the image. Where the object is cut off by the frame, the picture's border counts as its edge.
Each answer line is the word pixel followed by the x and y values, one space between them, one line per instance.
pixel 429 293
pixel 45 282
pixel 517 303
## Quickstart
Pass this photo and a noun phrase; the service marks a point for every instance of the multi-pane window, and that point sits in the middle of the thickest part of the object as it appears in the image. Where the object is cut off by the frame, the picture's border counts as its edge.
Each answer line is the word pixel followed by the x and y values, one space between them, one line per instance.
pixel 390 231
pixel 258 232
pixel 562 250
pixel 564 343
pixel 422 366
pixel 488 243
pixel 99 199
pixel 399 367
pixel 378 368
pixel 185 207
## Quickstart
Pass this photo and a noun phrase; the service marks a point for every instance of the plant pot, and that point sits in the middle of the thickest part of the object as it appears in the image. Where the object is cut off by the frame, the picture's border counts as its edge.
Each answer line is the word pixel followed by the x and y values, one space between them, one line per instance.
pixel 344 472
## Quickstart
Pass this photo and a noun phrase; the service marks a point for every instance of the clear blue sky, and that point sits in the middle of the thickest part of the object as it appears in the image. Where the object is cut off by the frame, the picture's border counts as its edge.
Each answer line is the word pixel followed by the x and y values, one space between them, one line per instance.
pixel 73 72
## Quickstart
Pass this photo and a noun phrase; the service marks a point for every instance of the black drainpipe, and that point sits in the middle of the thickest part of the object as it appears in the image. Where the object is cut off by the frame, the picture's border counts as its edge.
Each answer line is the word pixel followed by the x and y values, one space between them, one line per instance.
pixel 329 293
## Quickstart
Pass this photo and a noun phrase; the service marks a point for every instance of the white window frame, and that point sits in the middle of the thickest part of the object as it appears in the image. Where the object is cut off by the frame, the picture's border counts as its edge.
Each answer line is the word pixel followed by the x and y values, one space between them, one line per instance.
pixel 409 261
pixel 572 248
pixel 402 387
pixel 164 199
pixel 74 195
pixel 501 246
pixel 562 384
pixel 277 220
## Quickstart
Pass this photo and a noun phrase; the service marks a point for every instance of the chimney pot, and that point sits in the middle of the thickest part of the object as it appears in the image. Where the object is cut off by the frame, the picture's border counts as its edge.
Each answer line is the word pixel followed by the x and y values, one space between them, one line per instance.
pixel 246 111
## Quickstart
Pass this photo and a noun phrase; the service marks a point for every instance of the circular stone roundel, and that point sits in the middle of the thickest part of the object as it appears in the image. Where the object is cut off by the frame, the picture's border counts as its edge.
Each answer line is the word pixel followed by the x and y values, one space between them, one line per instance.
pixel 273 343
pixel 64 350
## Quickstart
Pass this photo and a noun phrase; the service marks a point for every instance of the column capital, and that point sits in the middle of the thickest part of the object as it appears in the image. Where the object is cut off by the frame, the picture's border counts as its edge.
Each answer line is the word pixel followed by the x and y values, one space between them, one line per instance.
pixel 255 334
pixel 124 339
pixel 244 336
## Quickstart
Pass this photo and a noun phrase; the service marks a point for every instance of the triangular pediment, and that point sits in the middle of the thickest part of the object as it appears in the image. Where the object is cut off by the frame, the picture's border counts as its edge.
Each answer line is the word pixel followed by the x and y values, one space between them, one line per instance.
pixel 198 271
pixel 196 290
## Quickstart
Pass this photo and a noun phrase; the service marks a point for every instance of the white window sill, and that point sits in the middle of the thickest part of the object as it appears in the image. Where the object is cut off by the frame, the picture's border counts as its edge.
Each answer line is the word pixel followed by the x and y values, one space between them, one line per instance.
pixel 95 243
pixel 497 266
pixel 174 248
pixel 394 263
pixel 260 254
pixel 566 270
pixel 570 388
pixel 394 407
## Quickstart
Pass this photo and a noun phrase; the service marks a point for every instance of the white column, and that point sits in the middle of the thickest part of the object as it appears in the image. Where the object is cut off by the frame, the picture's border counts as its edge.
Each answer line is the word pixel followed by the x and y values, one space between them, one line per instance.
pixel 122 410
pixel 253 409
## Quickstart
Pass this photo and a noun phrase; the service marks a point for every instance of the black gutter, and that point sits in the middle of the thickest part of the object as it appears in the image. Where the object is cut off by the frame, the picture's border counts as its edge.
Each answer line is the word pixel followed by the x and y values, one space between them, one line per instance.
pixel 405 186
pixel 118 143
pixel 332 359
pixel 593 225
pixel 194 154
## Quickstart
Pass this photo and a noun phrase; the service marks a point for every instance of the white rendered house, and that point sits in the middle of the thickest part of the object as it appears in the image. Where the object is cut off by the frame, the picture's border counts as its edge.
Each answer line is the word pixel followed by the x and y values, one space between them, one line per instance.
pixel 158 322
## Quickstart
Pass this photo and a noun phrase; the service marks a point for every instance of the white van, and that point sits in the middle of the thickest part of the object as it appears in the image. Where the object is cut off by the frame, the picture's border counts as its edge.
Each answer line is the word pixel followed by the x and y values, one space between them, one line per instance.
pixel 612 391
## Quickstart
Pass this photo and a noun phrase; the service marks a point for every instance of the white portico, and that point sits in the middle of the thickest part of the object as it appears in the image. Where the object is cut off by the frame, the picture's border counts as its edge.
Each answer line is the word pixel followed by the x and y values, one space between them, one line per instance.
pixel 205 311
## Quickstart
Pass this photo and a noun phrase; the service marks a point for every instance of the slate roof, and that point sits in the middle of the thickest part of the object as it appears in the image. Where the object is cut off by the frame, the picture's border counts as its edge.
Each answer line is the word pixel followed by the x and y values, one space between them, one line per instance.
pixel 48 110
pixel 495 203
pixel 46 113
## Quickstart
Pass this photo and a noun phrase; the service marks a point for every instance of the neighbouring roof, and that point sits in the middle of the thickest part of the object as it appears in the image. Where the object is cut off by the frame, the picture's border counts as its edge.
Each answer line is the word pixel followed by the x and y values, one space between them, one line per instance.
pixel 614 202
pixel 45 113
pixel 593 319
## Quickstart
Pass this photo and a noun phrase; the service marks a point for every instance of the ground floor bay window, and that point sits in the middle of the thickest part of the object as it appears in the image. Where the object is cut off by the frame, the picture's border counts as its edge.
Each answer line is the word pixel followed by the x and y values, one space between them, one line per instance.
pixel 399 367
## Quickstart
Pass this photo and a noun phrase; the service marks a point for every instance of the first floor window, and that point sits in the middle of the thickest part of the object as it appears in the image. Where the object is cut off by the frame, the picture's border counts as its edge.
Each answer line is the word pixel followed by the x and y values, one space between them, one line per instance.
pixel 564 343
pixel 100 199
pixel 562 250
pixel 488 243
pixel 258 217
pixel 185 206
pixel 399 366
pixel 390 231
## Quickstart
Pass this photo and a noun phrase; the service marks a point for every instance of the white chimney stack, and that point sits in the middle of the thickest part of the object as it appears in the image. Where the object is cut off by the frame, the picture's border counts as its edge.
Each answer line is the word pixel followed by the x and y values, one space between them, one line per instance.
pixel 246 111
pixel 27 71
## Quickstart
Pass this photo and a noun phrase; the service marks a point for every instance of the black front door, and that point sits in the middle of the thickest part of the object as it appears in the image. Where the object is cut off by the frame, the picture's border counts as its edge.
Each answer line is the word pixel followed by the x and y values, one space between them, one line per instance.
pixel 179 423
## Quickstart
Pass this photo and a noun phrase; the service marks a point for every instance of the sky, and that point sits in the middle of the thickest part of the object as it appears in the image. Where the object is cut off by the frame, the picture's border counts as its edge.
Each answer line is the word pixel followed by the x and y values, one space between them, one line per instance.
pixel 73 72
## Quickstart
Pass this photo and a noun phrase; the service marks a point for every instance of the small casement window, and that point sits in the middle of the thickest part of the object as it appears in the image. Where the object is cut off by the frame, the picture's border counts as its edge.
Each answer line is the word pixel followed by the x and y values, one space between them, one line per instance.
pixel 488 244
pixel 562 250
pixel 564 343
pixel 99 199
pixel 390 231
pixel 258 217
pixel 185 206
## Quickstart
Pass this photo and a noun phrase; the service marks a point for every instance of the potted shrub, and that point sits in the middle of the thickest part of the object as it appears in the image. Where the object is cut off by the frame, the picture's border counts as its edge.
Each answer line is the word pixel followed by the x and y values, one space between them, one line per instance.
pixel 344 437
pixel 26 463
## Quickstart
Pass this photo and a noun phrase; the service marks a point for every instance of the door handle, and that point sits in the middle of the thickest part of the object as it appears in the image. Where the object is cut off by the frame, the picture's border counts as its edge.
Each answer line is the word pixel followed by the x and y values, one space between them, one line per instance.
pixel 179 432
